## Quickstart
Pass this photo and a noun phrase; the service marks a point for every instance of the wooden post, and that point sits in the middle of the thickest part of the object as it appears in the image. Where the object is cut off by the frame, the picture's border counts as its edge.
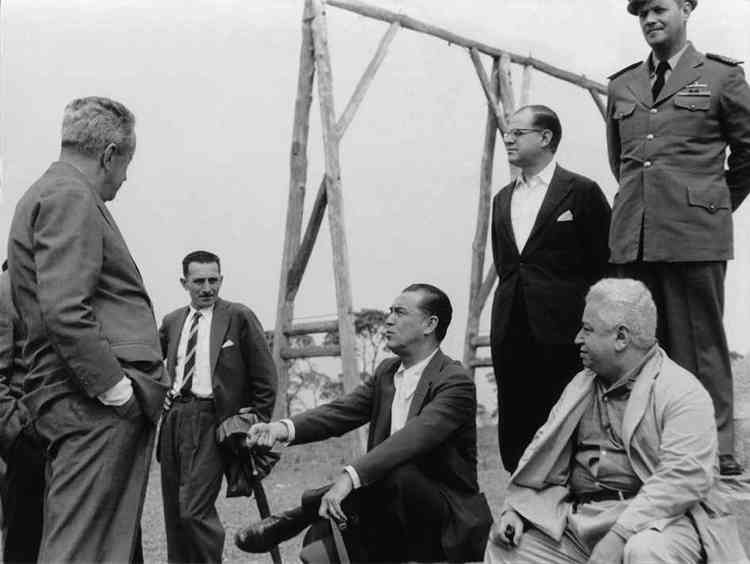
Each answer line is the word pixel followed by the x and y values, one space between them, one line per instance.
pixel 528 72
pixel 295 205
pixel 321 199
pixel 479 245
pixel 507 98
pixel 599 104
pixel 492 99
pixel 335 205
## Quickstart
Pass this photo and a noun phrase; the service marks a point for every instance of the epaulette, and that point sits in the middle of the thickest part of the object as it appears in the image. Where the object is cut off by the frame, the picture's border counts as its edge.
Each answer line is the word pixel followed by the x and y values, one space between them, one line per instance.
pixel 722 59
pixel 626 69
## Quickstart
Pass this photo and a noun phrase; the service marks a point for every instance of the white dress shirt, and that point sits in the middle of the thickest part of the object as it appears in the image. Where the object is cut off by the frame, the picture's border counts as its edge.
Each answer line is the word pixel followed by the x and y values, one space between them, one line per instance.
pixel 527 198
pixel 405 384
pixel 202 386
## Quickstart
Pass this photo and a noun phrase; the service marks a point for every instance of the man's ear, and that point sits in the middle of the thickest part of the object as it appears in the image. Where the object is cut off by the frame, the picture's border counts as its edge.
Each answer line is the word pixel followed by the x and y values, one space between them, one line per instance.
pixel 546 137
pixel 108 155
pixel 431 324
pixel 622 338
pixel 183 282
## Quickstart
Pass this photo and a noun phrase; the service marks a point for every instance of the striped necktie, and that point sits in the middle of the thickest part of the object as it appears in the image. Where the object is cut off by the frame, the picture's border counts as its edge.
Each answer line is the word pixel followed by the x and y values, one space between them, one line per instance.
pixel 189 368
pixel 661 72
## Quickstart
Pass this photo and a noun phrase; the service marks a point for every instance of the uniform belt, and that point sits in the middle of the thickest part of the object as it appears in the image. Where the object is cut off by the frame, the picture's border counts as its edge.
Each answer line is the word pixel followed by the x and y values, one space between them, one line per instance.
pixel 190 396
pixel 602 495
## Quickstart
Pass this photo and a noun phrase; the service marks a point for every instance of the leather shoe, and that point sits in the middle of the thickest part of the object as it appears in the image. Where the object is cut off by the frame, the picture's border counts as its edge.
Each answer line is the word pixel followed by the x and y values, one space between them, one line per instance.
pixel 263 535
pixel 728 466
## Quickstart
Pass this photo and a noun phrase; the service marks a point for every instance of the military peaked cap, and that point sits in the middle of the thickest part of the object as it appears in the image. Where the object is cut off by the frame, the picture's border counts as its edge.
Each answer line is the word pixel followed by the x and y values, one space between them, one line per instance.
pixel 634 5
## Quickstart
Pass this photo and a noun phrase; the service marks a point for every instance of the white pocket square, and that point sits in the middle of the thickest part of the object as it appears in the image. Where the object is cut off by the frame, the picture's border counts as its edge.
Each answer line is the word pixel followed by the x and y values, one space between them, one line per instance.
pixel 566 216
pixel 227 343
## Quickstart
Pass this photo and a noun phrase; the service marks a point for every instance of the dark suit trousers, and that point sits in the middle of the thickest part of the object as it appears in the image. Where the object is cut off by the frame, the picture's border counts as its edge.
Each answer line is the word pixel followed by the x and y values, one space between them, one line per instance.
pixel 97 466
pixel 23 500
pixel 397 520
pixel 530 377
pixel 689 299
pixel 191 473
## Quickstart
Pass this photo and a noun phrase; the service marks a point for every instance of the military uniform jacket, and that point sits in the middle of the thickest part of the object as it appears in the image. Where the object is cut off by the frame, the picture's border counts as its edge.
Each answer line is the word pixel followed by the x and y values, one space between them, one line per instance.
pixel 669 157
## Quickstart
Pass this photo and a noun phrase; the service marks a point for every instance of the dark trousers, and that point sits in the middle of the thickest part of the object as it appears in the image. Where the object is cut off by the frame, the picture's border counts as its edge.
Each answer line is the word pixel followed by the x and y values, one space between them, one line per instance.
pixel 96 470
pixel 191 473
pixel 23 499
pixel 689 300
pixel 397 520
pixel 530 377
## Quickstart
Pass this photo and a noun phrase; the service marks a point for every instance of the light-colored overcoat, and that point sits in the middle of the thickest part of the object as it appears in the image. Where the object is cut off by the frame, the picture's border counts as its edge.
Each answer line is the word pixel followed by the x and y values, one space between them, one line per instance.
pixel 670 437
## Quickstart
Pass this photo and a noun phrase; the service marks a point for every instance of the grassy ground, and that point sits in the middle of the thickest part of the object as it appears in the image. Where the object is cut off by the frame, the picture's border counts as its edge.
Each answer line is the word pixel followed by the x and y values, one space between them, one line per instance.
pixel 310 466
pixel 300 468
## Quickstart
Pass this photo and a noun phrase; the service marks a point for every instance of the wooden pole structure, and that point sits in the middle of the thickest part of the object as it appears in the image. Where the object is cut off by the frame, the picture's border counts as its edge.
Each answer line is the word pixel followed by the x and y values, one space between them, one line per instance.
pixel 599 104
pixel 492 99
pixel 528 73
pixel 336 221
pixel 318 211
pixel 407 22
pixel 295 205
pixel 479 245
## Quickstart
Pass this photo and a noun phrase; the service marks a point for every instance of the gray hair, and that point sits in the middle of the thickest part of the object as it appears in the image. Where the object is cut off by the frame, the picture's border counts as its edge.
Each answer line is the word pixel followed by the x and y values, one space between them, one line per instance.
pixel 92 123
pixel 626 302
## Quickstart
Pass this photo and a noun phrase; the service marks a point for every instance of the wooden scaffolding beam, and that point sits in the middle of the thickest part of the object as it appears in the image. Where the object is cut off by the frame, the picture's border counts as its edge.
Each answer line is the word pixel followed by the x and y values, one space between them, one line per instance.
pixel 315 59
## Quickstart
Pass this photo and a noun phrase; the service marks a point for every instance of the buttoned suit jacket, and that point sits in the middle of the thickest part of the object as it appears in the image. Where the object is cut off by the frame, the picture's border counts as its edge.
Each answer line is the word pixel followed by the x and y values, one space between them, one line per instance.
pixel 439 437
pixel 242 371
pixel 559 262
pixel 670 439
pixel 88 316
pixel 669 155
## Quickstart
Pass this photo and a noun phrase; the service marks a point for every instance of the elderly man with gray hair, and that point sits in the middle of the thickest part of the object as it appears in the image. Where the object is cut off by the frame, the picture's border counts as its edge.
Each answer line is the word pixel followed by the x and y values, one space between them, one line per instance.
pixel 95 382
pixel 623 470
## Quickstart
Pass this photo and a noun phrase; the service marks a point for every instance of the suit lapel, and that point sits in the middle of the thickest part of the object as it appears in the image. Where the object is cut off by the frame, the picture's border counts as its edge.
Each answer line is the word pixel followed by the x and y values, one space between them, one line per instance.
pixel 684 73
pixel 382 421
pixel 113 224
pixel 219 325
pixel 504 201
pixel 429 373
pixel 640 85
pixel 639 398
pixel 175 332
pixel 556 192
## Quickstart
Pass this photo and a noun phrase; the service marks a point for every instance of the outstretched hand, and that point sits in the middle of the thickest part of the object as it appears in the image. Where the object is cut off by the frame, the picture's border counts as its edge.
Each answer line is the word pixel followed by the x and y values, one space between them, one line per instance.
pixel 267 434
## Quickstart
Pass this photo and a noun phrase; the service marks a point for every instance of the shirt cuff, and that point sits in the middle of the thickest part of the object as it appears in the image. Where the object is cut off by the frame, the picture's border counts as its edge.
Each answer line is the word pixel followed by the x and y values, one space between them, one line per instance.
pixel 621 532
pixel 119 394
pixel 290 430
pixel 356 482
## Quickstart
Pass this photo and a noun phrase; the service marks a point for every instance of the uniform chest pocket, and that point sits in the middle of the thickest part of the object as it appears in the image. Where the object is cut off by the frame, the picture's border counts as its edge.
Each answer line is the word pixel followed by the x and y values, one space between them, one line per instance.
pixel 692 116
pixel 623 113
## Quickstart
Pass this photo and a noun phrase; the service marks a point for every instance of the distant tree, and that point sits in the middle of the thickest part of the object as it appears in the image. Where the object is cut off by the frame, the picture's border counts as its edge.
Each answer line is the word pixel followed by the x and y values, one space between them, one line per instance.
pixel 734 356
pixel 368 326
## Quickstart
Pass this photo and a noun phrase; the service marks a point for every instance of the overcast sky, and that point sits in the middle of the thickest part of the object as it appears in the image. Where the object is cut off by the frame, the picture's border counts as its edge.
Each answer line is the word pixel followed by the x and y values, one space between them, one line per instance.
pixel 212 84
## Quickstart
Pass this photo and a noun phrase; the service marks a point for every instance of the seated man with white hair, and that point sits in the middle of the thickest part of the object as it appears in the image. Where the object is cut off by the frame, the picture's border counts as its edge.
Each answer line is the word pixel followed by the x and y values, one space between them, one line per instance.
pixel 624 467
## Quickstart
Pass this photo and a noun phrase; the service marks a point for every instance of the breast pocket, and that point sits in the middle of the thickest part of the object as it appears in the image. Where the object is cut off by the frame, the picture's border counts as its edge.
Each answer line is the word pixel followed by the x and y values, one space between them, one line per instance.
pixel 623 112
pixel 690 114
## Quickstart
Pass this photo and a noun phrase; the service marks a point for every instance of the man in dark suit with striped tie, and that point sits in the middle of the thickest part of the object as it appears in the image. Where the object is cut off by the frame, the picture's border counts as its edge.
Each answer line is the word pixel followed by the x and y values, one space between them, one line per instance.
pixel 218 362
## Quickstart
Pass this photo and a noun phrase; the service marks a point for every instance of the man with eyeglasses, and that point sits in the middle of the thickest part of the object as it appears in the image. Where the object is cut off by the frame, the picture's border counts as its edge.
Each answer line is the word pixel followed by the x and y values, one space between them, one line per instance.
pixel 549 243
pixel 670 121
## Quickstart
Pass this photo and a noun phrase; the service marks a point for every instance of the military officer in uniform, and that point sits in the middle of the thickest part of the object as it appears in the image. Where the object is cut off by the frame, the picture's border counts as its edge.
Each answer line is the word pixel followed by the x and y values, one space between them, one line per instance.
pixel 670 121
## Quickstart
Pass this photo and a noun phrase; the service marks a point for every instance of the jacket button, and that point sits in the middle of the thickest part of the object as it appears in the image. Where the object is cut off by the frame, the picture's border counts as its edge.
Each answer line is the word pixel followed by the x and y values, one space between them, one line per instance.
pixel 647 164
pixel 712 207
pixel 654 110
pixel 650 136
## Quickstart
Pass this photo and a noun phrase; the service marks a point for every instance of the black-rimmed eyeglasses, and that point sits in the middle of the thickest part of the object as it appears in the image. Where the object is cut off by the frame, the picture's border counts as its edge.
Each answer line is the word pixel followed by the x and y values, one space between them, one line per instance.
pixel 518 132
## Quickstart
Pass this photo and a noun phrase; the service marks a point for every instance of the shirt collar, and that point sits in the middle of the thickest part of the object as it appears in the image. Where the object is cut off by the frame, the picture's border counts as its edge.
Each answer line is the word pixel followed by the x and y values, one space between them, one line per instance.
pixel 204 311
pixel 628 379
pixel 545 175
pixel 419 367
pixel 673 60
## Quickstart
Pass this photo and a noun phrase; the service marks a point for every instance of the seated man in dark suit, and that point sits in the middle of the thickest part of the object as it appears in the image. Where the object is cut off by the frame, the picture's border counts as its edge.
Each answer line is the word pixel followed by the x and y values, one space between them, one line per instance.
pixel 415 491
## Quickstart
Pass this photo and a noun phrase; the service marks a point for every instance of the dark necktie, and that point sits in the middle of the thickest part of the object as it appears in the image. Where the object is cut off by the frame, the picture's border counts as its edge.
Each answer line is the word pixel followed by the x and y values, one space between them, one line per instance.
pixel 661 70
pixel 189 368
